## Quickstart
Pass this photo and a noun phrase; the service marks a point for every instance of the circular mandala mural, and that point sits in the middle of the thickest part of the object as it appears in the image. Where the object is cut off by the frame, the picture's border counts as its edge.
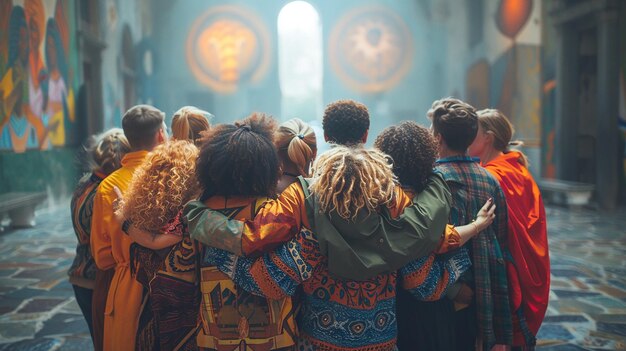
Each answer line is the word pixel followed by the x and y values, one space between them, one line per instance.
pixel 227 46
pixel 370 49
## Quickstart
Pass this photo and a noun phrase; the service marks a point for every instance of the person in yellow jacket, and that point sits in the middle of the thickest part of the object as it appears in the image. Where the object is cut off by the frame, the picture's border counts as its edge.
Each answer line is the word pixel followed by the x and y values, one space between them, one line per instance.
pixel 144 128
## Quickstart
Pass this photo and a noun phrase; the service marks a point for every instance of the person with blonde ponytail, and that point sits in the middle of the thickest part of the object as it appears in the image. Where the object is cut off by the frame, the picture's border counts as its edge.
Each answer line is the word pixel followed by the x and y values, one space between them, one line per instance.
pixel 90 284
pixel 189 123
pixel 297 148
pixel 529 272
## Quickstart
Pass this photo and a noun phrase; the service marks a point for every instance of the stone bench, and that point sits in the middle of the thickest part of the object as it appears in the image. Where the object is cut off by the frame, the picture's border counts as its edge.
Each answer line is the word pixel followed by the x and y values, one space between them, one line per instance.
pixel 565 192
pixel 20 206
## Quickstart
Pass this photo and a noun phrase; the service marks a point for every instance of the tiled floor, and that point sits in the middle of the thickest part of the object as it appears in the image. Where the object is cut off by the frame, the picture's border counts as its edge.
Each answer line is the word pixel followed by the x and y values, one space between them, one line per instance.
pixel 587 304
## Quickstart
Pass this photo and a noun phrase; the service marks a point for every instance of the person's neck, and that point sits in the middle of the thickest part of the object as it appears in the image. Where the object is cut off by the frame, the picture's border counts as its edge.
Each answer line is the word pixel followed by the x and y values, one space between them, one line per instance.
pixel 490 155
pixel 444 152
pixel 290 169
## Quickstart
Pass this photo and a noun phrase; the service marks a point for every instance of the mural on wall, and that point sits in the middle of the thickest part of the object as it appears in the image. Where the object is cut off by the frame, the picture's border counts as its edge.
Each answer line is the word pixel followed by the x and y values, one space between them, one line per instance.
pixel 511 83
pixel 37 73
pixel 370 49
pixel 228 46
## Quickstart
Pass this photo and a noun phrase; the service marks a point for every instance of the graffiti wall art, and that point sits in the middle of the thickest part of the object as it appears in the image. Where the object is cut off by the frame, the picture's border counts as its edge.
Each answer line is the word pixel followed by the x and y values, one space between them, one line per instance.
pixel 370 49
pixel 228 46
pixel 37 78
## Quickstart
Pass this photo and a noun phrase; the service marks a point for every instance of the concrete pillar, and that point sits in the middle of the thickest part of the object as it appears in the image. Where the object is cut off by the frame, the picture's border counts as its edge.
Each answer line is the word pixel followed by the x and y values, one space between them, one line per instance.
pixel 608 154
pixel 566 121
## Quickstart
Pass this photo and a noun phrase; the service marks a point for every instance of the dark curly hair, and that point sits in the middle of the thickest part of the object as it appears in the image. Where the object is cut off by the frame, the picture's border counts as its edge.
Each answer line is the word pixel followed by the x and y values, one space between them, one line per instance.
pixel 413 150
pixel 456 121
pixel 239 159
pixel 346 122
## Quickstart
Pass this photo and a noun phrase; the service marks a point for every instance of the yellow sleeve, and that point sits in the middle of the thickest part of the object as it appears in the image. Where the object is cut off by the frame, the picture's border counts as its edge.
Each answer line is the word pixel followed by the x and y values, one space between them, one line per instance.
pixel 100 235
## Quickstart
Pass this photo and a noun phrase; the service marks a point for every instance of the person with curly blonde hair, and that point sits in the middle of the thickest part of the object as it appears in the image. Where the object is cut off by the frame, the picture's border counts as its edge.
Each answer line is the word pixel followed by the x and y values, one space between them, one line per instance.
pixel 160 187
pixel 104 155
pixel 297 147
pixel 345 254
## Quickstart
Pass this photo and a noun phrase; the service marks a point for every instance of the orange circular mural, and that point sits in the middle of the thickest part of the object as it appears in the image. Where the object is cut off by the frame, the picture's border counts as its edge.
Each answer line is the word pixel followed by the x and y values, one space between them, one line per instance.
pixel 370 49
pixel 228 46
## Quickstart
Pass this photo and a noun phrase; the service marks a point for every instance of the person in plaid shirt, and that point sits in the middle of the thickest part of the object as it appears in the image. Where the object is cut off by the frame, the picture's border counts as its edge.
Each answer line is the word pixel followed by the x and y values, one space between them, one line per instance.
pixel 476 314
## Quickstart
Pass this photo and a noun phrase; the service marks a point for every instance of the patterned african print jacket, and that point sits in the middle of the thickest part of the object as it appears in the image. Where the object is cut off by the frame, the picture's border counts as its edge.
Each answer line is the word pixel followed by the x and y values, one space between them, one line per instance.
pixel 471 185
pixel 197 307
pixel 83 269
pixel 336 314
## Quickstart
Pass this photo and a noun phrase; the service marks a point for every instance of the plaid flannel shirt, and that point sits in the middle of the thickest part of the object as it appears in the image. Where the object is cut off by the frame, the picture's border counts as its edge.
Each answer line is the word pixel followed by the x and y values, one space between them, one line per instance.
pixel 471 185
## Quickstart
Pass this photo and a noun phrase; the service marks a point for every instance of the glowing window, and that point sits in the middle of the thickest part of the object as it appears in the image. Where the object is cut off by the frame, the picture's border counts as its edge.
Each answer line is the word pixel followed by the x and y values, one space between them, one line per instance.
pixel 300 61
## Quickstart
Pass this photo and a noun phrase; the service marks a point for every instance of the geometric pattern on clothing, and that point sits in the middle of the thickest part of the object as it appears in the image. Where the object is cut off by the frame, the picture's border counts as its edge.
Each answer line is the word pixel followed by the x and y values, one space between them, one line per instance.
pixel 344 327
pixel 427 282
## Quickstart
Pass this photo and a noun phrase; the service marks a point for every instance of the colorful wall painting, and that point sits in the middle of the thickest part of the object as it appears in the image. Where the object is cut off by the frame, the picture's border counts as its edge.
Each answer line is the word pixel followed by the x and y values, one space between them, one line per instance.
pixel 38 80
pixel 228 46
pixel 370 49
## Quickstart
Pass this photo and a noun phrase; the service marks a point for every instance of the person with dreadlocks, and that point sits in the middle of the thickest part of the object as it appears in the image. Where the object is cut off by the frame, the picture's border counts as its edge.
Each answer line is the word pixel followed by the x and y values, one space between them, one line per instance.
pixel 343 305
pixel 353 257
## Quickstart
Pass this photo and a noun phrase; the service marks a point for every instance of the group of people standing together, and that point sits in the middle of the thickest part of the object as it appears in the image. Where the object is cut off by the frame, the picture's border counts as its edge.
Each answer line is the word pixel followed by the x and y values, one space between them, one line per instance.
pixel 241 237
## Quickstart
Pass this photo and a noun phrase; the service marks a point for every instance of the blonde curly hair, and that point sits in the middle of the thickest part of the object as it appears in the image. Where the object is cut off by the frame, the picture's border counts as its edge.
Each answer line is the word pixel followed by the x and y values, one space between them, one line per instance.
pixel 347 179
pixel 161 186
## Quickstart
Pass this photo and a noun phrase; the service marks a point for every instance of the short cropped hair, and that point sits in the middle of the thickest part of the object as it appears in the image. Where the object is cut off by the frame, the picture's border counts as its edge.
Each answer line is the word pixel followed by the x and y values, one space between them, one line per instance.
pixel 140 124
pixel 456 121
pixel 239 159
pixel 345 122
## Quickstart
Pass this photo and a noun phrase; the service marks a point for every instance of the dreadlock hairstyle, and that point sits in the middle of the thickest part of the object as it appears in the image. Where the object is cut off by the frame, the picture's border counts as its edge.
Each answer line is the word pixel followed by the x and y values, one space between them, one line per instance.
pixel 413 150
pixel 456 121
pixel 189 123
pixel 345 122
pixel 494 122
pixel 161 186
pixel 239 159
pixel 296 143
pixel 349 179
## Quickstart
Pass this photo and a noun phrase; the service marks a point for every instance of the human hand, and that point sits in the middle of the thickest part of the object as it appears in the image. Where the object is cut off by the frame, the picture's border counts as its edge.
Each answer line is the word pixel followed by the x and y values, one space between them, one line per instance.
pixel 485 216
pixel 119 216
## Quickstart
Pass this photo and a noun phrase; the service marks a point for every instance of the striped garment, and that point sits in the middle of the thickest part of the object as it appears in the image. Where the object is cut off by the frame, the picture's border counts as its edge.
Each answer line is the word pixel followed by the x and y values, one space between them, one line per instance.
pixel 337 314
pixel 471 186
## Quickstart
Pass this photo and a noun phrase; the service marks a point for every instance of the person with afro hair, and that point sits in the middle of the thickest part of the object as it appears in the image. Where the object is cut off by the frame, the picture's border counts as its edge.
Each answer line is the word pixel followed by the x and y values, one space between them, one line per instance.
pixel 346 122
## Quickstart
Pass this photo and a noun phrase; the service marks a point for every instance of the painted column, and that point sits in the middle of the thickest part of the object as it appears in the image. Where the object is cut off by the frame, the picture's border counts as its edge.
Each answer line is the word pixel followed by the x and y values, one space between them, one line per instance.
pixel 608 155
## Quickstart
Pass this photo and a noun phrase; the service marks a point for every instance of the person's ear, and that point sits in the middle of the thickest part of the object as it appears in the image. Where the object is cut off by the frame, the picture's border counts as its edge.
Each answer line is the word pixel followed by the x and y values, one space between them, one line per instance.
pixel 161 136
pixel 326 138
pixel 364 138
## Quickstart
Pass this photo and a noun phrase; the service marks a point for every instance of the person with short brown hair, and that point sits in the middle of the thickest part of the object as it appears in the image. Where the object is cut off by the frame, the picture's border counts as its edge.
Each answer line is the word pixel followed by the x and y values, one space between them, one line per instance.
pixel 144 128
